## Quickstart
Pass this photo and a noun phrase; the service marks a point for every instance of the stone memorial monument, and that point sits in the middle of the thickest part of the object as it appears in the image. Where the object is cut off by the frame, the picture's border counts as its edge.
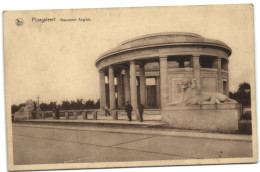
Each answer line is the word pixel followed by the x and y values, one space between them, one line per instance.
pixel 196 109
pixel 25 112
pixel 172 60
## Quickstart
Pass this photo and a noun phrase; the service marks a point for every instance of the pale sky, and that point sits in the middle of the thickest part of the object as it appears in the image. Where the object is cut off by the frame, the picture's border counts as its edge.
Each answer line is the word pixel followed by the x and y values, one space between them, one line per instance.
pixel 56 60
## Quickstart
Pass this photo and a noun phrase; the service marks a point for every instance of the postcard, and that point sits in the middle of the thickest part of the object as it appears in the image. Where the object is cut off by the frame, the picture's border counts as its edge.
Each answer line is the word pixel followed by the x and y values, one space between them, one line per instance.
pixel 130 87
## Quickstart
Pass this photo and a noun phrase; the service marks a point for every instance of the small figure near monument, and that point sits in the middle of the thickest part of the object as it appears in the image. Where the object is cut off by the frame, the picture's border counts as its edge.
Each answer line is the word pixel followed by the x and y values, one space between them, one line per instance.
pixel 191 95
pixel 57 112
pixel 129 110
pixel 107 113
pixel 141 111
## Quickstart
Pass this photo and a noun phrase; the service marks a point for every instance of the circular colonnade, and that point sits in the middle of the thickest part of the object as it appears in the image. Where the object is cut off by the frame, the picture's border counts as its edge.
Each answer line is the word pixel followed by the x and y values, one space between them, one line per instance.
pixel 149 69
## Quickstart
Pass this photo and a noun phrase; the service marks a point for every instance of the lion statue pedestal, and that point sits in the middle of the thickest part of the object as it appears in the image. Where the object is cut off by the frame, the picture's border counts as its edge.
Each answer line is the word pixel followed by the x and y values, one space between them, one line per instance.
pixel 202 110
pixel 217 117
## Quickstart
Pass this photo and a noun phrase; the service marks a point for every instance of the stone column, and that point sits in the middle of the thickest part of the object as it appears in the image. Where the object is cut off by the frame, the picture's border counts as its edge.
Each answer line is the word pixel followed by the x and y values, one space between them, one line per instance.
pixel 142 84
pixel 163 81
pixel 133 88
pixel 53 115
pixel 119 89
pixel 75 114
pixel 84 115
pixel 196 69
pixel 67 115
pixel 157 83
pixel 227 81
pixel 220 82
pixel 102 86
pixel 127 85
pixel 112 98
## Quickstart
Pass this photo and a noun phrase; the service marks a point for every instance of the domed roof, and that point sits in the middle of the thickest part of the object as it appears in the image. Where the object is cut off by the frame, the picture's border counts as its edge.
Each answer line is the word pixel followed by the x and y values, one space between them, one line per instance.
pixel 165 39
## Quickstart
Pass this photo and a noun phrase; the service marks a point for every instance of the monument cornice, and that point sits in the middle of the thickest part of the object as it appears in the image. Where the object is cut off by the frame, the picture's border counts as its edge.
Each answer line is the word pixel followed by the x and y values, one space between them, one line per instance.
pixel 159 51
pixel 117 51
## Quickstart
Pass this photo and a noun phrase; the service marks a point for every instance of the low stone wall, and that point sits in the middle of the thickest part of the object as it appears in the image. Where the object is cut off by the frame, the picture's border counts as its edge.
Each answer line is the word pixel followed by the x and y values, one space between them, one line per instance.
pixel 19 116
pixel 218 117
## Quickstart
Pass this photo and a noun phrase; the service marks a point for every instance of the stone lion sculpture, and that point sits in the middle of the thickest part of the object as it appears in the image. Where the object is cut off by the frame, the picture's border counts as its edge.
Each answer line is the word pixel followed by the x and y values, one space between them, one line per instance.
pixel 191 95
pixel 29 106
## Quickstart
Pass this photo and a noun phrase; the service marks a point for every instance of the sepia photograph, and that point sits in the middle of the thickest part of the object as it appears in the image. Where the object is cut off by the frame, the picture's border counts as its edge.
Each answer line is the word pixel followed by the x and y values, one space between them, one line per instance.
pixel 130 87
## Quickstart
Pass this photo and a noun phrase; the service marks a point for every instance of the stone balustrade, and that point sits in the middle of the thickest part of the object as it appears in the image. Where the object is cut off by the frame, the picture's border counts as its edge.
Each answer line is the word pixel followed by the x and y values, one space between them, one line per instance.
pixel 74 114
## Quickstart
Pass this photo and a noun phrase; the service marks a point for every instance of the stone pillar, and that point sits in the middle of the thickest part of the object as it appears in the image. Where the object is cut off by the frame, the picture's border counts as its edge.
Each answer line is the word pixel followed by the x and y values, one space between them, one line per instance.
pixel 157 83
pixel 53 115
pixel 84 115
pixel 227 81
pixel 127 86
pixel 196 69
pixel 163 81
pixel 119 90
pixel 114 115
pixel 142 84
pixel 112 98
pixel 66 114
pixel 75 114
pixel 43 115
pixel 220 82
pixel 102 86
pixel 133 88
pixel 94 115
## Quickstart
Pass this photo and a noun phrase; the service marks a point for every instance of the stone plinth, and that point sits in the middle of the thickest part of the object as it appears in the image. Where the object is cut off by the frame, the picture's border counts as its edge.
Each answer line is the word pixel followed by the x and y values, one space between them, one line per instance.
pixel 75 115
pixel 53 115
pixel 19 116
pixel 217 117
pixel 43 115
pixel 66 115
pixel 114 115
pixel 84 115
pixel 94 115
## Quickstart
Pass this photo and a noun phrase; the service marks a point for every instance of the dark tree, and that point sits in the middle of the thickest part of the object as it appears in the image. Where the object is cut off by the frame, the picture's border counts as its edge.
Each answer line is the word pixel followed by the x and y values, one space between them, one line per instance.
pixel 244 87
pixel 14 108
pixel 97 106
pixel 90 104
pixel 243 94
pixel 65 105
pixel 44 106
pixel 52 106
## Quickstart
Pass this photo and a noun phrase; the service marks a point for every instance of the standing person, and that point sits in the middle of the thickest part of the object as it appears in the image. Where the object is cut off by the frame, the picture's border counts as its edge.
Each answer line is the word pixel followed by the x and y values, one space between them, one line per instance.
pixel 128 109
pixel 107 111
pixel 141 111
pixel 58 112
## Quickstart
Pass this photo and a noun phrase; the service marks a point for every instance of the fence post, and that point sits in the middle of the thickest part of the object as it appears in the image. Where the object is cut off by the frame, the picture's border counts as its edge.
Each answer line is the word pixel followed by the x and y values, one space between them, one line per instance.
pixel 66 115
pixel 43 115
pixel 53 115
pixel 84 115
pixel 94 113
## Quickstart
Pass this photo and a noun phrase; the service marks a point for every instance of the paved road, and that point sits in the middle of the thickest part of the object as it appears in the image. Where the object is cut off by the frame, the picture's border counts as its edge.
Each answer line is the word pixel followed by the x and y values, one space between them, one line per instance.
pixel 46 145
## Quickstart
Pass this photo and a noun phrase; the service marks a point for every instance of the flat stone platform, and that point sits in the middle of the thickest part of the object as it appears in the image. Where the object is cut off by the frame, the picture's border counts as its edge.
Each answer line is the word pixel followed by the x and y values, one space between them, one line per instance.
pixel 90 122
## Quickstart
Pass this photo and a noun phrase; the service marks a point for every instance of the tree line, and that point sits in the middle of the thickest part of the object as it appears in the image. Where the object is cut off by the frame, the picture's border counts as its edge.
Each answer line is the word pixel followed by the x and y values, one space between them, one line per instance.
pixel 242 95
pixel 65 105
